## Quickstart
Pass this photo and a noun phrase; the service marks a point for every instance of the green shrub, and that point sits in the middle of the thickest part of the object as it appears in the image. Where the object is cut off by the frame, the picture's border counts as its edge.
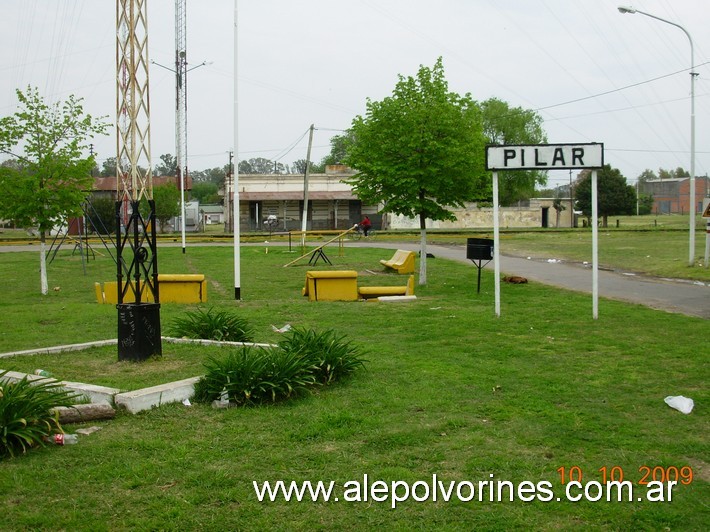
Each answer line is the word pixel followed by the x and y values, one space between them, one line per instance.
pixel 212 325
pixel 251 375
pixel 255 375
pixel 332 356
pixel 25 418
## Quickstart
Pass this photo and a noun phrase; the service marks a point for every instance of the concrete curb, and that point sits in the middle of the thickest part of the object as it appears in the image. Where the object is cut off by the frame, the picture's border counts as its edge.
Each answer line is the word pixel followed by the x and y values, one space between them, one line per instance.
pixel 133 401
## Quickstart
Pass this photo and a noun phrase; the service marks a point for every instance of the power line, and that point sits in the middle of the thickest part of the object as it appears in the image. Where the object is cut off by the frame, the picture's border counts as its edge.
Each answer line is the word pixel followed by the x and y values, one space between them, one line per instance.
pixel 618 89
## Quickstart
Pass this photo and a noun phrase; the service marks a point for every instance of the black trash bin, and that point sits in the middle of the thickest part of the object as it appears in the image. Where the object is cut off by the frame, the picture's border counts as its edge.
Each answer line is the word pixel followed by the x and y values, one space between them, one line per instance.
pixel 479 249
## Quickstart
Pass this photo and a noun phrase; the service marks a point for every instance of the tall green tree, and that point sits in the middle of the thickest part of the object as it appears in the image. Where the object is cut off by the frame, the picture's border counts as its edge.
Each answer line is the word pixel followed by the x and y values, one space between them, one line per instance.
pixel 299 167
pixel 260 165
pixel 108 167
pixel 53 176
pixel 167 204
pixel 167 165
pixel 205 192
pixel 102 215
pixel 338 149
pixel 419 152
pixel 503 124
pixel 614 195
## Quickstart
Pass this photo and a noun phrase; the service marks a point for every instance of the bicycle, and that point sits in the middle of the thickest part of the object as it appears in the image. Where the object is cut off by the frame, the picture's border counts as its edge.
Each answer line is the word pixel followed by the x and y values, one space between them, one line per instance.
pixel 359 234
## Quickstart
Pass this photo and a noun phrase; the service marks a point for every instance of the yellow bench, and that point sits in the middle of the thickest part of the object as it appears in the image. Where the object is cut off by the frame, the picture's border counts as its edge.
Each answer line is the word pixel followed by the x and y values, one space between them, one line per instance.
pixel 371 292
pixel 402 261
pixel 173 288
pixel 331 285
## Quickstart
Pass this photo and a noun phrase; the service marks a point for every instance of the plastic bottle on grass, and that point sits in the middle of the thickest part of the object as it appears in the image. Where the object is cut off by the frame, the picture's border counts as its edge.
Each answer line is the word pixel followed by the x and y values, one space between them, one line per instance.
pixel 63 439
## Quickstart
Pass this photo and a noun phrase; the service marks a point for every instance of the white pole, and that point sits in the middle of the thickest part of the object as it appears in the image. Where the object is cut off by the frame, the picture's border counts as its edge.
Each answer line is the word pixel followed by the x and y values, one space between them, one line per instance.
pixel 595 249
pixel 304 221
pixel 691 199
pixel 496 242
pixel 237 258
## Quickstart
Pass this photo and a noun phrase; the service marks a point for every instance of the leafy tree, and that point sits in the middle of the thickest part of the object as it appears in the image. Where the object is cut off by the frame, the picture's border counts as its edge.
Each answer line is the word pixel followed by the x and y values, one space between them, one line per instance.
pixel 647 175
pixel 338 149
pixel 299 167
pixel 559 207
pixel 645 203
pixel 108 168
pixel 102 215
pixel 419 152
pixel 167 166
pixel 260 165
pixel 614 195
pixel 167 204
pixel 53 176
pixel 505 125
pixel 211 175
pixel 205 192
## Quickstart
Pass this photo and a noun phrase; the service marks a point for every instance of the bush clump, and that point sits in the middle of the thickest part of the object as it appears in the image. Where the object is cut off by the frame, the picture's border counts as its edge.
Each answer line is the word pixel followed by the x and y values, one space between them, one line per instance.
pixel 25 417
pixel 332 356
pixel 212 324
pixel 251 375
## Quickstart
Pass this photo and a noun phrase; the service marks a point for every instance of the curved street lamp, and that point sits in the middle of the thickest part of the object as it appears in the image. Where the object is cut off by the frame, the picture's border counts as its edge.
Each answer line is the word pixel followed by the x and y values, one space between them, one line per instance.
pixel 631 10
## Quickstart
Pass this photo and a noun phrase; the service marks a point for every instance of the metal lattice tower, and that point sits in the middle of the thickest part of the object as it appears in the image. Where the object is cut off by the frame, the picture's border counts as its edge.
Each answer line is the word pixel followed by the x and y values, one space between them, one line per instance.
pixel 133 162
pixel 137 263
pixel 181 105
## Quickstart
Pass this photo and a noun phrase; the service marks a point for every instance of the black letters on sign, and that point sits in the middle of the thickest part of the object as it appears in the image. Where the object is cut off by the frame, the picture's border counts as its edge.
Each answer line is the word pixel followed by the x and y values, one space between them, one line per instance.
pixel 577 156
pixel 538 162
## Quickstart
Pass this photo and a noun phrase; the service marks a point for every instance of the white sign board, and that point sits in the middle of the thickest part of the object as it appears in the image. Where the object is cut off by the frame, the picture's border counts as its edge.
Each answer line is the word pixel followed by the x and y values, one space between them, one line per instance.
pixel 706 207
pixel 545 157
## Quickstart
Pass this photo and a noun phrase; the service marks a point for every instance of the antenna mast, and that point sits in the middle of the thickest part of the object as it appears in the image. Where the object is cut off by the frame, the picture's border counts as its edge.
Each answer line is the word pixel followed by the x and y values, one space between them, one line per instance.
pixel 181 105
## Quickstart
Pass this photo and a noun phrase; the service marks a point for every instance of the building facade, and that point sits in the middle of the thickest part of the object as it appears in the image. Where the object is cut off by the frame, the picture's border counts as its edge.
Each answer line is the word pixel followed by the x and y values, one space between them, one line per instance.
pixel 331 202
pixel 672 196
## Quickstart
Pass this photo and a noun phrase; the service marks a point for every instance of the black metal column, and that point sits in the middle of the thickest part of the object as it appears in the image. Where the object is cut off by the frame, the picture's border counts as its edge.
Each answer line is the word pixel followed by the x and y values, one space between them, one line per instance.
pixel 138 293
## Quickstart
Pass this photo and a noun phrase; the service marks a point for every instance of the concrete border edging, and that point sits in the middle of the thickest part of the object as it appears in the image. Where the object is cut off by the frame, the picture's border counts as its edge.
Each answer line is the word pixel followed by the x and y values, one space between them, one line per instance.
pixel 133 401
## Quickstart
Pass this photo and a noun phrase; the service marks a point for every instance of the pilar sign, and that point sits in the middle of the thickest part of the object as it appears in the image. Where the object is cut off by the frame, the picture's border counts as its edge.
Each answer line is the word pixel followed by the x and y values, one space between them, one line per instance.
pixel 545 157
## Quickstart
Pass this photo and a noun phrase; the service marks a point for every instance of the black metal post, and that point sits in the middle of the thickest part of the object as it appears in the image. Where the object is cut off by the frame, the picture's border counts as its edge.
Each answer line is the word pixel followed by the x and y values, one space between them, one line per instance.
pixel 138 299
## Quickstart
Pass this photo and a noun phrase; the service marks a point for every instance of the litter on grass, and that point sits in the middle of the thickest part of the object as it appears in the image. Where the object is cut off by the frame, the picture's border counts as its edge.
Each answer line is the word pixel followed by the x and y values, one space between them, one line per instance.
pixel 680 403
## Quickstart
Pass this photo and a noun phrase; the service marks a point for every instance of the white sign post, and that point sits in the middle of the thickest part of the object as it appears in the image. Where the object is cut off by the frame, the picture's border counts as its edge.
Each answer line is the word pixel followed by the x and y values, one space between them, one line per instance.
pixel 546 157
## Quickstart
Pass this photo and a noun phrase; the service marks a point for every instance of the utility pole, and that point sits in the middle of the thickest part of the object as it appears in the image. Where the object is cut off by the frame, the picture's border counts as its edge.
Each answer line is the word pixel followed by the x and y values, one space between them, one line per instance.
pixel 304 221
pixel 235 173
pixel 137 254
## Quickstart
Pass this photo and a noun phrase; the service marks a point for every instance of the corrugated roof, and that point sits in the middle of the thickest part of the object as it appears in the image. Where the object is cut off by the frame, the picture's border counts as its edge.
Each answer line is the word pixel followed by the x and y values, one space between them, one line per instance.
pixel 296 195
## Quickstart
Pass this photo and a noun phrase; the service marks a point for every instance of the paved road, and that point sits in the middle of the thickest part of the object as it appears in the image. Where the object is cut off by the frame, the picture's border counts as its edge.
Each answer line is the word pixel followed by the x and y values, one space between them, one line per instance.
pixel 671 295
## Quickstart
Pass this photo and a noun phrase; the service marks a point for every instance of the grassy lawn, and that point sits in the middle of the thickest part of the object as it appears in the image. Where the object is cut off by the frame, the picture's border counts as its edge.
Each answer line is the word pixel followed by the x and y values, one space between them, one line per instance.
pixel 448 389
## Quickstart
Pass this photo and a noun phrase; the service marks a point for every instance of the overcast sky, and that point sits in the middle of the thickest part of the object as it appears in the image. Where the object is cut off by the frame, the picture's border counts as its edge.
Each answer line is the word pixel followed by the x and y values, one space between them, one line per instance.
pixel 593 74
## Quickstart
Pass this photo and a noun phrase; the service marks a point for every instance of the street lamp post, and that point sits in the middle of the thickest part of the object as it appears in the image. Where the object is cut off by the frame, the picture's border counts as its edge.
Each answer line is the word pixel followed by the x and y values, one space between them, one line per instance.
pixel 631 10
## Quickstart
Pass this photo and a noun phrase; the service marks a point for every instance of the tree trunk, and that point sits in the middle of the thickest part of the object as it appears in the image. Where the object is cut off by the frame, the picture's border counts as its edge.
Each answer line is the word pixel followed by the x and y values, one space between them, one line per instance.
pixel 81 413
pixel 422 250
pixel 43 263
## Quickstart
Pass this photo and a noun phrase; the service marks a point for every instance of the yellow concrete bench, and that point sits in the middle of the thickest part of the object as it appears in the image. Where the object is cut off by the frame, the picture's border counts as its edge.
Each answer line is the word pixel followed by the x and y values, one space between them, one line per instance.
pixel 402 261
pixel 371 292
pixel 173 288
pixel 331 285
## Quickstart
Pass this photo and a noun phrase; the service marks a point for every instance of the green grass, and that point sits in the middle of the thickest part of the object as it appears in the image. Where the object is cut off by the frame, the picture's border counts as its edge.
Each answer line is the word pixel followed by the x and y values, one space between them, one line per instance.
pixel 448 389
pixel 656 246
